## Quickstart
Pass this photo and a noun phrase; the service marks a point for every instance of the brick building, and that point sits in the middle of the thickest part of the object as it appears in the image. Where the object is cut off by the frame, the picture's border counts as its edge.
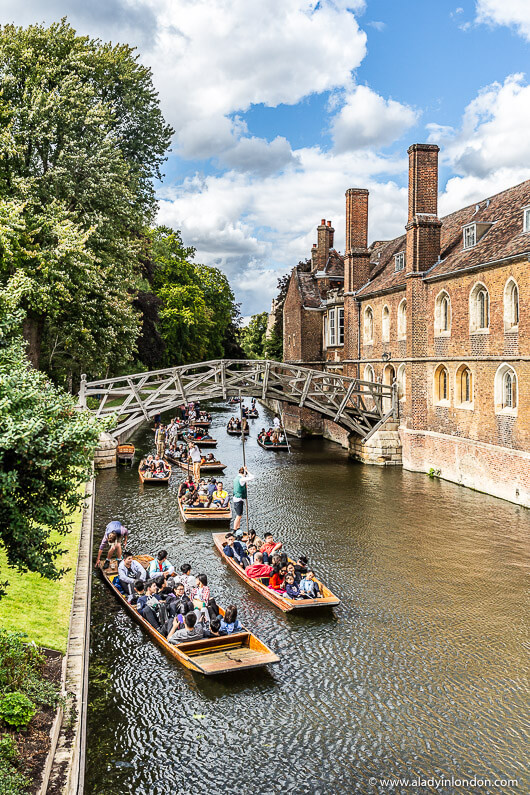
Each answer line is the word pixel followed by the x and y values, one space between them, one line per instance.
pixel 443 310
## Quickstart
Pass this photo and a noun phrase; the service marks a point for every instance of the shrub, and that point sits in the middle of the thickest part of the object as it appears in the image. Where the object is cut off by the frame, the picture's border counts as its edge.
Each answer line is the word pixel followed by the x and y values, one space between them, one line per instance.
pixel 19 661
pixel 16 709
pixel 11 781
pixel 8 748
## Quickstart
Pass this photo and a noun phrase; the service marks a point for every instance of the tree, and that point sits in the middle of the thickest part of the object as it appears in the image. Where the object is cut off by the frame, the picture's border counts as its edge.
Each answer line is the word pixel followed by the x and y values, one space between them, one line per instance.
pixel 273 347
pixel 253 336
pixel 81 139
pixel 46 448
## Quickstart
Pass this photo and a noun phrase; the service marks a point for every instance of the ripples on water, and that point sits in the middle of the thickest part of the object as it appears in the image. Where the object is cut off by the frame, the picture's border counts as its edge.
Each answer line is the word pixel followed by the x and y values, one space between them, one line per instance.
pixel 420 671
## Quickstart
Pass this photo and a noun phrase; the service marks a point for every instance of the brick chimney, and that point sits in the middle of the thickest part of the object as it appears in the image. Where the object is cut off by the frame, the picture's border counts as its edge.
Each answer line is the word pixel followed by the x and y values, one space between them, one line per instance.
pixel 357 256
pixel 324 242
pixel 423 225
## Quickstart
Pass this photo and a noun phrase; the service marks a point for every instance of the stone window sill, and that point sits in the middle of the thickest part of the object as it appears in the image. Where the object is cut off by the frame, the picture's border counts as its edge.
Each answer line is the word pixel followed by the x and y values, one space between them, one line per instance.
pixel 402 339
pixel 512 330
pixel 466 406
pixel 442 334
pixel 369 342
pixel 442 403
pixel 506 412
pixel 480 331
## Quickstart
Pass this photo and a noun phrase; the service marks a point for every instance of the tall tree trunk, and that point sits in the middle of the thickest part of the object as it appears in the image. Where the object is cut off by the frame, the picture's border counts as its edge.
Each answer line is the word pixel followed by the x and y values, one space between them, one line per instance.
pixel 32 330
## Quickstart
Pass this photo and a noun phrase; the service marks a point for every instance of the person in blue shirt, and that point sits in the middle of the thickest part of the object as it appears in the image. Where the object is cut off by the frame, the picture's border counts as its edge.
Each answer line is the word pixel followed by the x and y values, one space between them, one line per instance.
pixel 291 588
pixel 161 566
pixel 235 549
pixel 230 622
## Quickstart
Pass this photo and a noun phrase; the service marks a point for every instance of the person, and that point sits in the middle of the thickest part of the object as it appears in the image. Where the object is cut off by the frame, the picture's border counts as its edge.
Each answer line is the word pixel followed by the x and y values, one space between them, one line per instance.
pixel 148 603
pixel 186 578
pixel 211 488
pixel 161 565
pixel 235 549
pixel 270 547
pixel 117 543
pixel 192 629
pixel 309 586
pixel 157 419
pixel 258 568
pixel 277 578
pixel 244 425
pixel 214 628
pixel 240 494
pixel 277 422
pixel 254 539
pixel 186 486
pixel 292 591
pixel 160 440
pixel 251 550
pixel 291 572
pixel 178 603
pixel 220 496
pixel 206 436
pixel 195 457
pixel 129 571
pixel 230 622
pixel 210 458
pixel 301 567
pixel 203 602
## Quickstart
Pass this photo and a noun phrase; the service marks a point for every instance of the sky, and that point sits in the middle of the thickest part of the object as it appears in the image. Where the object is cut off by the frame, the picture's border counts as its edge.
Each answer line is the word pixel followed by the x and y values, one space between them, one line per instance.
pixel 279 106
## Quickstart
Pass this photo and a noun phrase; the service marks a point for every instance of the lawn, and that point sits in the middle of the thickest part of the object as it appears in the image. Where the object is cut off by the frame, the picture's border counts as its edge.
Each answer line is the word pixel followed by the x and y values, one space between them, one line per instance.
pixel 39 607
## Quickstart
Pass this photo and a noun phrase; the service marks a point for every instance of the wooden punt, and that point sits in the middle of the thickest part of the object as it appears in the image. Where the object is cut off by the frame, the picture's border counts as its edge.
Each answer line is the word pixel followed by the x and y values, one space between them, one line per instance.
pixel 154 481
pixel 328 599
pixel 210 656
pixel 275 447
pixel 125 453
pixel 200 442
pixel 253 415
pixel 209 466
pixel 200 424
pixel 237 431
pixel 205 514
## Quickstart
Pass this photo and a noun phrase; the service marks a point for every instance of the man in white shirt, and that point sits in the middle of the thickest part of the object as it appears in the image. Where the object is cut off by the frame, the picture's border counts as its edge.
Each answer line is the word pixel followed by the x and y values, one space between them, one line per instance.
pixel 129 571
pixel 195 455
pixel 276 421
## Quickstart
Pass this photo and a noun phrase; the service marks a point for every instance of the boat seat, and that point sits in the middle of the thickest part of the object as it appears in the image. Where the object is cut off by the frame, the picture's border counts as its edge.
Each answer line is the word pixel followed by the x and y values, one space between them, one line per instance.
pixel 263 581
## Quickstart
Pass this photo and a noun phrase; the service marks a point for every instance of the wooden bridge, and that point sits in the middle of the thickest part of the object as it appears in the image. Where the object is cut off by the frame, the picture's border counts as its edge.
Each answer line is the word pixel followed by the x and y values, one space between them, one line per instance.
pixel 359 406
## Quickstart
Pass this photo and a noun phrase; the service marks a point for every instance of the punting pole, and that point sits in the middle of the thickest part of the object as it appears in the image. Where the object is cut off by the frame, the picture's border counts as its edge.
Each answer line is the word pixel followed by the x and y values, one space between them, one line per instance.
pixel 285 433
pixel 244 458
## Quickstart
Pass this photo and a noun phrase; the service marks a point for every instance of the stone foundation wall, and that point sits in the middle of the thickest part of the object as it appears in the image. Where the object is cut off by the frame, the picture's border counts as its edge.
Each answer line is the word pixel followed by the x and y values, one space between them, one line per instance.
pixel 495 470
pixel 381 449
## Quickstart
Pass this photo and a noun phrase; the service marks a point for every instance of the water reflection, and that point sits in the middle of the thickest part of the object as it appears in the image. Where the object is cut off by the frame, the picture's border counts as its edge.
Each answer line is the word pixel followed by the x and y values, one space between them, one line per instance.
pixel 420 670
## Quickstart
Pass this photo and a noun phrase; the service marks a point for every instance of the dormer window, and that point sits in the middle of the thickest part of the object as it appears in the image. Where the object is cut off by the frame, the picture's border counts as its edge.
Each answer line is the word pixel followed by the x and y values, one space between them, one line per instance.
pixel 470 235
pixel 399 260
pixel 526 219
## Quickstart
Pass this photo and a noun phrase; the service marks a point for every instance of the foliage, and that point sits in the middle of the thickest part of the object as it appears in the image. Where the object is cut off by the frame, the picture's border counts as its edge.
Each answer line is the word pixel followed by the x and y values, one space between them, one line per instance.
pixel 16 709
pixel 11 781
pixel 8 748
pixel 434 473
pixel 197 311
pixel 273 348
pixel 82 138
pixel 253 336
pixel 46 449
pixel 19 662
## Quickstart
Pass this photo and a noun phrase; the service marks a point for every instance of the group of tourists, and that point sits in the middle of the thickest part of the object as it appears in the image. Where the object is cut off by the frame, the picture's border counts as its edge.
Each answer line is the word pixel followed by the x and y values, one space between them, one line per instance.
pixel 272 436
pixel 154 467
pixel 203 493
pixel 264 559
pixel 179 605
pixel 239 425
pixel 180 452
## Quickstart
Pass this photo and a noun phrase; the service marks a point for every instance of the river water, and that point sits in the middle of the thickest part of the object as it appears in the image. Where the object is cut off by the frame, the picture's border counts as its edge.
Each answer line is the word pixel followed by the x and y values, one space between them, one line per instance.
pixel 419 673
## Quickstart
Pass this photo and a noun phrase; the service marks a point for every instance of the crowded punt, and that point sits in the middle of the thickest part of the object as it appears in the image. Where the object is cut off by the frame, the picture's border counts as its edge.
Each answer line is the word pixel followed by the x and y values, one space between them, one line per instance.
pixel 154 469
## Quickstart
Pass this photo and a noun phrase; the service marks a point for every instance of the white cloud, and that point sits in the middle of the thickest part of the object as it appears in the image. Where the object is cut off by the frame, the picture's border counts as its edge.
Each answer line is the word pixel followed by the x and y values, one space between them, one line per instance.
pixel 367 119
pixel 513 13
pixel 491 150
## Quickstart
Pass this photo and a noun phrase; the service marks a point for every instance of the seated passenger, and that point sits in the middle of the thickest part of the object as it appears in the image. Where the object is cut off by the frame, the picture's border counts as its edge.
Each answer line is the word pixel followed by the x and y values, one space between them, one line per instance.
pixel 206 436
pixel 129 571
pixel 147 604
pixel 301 567
pixel 258 568
pixel 230 622
pixel 254 539
pixel 309 587
pixel 235 549
pixel 291 588
pixel 291 571
pixel 220 496
pixel 186 578
pixel 252 552
pixel 178 603
pixel 270 547
pixel 210 458
pixel 277 579
pixel 211 487
pixel 161 565
pixel 213 630
pixel 192 629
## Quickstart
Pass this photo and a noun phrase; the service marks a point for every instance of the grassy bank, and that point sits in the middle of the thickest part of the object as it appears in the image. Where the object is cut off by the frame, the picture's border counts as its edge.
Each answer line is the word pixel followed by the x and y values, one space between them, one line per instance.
pixel 37 606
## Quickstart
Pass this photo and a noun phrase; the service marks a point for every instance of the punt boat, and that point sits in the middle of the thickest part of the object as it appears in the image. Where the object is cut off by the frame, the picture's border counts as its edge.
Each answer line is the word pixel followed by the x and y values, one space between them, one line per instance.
pixel 125 454
pixel 201 442
pixel 327 599
pixel 208 466
pixel 154 481
pixel 237 431
pixel 204 514
pixel 275 447
pixel 209 656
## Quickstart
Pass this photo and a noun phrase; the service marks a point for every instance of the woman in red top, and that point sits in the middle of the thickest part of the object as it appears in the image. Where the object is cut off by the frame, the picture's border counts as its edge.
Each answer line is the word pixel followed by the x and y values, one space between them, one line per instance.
pixel 277 579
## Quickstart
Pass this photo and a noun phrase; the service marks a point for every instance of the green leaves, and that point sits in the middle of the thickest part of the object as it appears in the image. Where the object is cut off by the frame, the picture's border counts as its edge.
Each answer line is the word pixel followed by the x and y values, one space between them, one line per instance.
pixel 253 336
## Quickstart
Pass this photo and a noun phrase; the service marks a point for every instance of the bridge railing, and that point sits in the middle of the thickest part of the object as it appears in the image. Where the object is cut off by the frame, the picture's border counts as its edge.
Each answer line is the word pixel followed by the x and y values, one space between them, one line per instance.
pixel 359 406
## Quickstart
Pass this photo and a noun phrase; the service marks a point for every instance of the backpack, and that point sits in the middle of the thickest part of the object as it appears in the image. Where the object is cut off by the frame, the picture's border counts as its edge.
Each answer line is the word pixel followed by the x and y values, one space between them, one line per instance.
pixel 117 584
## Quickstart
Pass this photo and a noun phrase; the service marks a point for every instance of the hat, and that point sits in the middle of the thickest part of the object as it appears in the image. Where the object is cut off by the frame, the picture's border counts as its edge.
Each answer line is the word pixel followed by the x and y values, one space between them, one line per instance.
pixel 238 534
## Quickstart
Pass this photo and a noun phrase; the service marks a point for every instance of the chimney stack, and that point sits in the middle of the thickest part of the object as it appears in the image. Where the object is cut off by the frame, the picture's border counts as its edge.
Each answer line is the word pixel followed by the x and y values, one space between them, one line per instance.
pixel 357 256
pixel 325 242
pixel 423 226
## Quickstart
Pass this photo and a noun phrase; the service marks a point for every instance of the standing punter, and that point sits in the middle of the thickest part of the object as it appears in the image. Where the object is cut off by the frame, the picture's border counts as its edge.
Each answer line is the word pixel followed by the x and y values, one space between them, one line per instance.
pixel 240 494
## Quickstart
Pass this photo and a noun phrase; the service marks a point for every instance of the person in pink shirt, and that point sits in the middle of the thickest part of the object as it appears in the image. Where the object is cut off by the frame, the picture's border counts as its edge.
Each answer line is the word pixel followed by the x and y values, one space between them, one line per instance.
pixel 258 568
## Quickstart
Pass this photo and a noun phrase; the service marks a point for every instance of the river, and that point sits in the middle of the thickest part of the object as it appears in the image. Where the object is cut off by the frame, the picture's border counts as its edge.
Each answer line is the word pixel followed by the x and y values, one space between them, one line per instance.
pixel 419 673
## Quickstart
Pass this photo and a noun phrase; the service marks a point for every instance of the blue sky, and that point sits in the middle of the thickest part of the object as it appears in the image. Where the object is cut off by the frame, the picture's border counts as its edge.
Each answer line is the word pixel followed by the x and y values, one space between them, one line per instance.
pixel 280 106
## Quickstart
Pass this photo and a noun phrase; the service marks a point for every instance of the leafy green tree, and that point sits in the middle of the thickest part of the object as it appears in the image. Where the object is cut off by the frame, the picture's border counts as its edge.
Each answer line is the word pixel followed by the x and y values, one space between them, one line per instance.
pixel 273 348
pixel 253 336
pixel 46 448
pixel 81 140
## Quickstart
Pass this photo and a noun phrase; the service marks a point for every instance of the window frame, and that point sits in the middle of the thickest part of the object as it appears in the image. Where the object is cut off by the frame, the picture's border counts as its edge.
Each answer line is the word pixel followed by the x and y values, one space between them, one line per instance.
pixel 368 312
pixel 526 219
pixel 340 325
pixel 443 298
pixel 332 329
pixel 475 312
pixel 399 261
pixel 440 371
pixel 385 323
pixel 402 319
pixel 462 399
pixel 501 404
pixel 511 308
pixel 466 230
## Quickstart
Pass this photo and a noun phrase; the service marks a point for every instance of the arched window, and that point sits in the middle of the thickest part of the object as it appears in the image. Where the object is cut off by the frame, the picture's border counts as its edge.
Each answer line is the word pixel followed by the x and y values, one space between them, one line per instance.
pixel 506 393
pixel 464 386
pixel 479 308
pixel 441 385
pixel 386 324
pixel 511 306
pixel 442 314
pixel 369 374
pixel 401 374
pixel 402 319
pixel 368 325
